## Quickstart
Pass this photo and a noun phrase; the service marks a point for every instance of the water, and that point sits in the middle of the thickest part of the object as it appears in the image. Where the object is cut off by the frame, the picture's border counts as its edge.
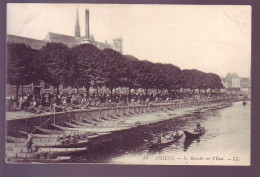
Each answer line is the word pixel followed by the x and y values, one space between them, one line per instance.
pixel 227 138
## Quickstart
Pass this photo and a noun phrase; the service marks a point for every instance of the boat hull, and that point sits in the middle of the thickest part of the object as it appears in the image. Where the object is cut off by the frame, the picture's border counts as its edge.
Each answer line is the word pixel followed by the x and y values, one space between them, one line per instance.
pixel 193 135
pixel 155 145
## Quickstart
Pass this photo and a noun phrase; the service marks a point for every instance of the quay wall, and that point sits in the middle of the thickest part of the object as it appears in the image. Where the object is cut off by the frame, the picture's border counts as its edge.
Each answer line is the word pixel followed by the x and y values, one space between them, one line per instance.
pixel 29 124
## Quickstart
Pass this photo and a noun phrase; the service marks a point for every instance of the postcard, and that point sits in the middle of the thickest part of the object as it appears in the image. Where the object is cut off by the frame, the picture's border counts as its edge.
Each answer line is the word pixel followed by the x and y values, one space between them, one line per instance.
pixel 128 84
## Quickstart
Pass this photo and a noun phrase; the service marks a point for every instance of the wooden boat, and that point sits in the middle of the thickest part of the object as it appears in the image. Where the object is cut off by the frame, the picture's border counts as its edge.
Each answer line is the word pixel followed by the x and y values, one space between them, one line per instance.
pixel 80 123
pixel 47 135
pixel 75 126
pixel 166 142
pixel 88 121
pixel 98 120
pixel 69 129
pixel 11 139
pixel 54 160
pixel 105 118
pixel 92 129
pixel 196 112
pixel 35 139
pixel 72 142
pixel 38 160
pixel 60 151
pixel 114 117
pixel 98 126
pixel 24 155
pixel 59 136
pixel 50 131
pixel 194 135
pixel 66 143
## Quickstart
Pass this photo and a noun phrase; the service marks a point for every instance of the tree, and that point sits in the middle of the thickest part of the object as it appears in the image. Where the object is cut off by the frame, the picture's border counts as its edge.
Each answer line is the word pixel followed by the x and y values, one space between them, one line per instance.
pixel 214 81
pixel 132 64
pixel 53 63
pixel 187 79
pixel 170 76
pixel 144 74
pixel 85 66
pixel 20 65
pixel 114 69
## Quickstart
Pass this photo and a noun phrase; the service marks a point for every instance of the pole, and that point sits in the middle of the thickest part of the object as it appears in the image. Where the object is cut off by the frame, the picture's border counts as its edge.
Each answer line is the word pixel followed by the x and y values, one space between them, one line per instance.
pixel 54 118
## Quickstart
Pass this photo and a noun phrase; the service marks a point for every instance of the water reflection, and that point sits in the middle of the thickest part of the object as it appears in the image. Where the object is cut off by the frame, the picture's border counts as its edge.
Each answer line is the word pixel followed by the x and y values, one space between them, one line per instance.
pixel 188 142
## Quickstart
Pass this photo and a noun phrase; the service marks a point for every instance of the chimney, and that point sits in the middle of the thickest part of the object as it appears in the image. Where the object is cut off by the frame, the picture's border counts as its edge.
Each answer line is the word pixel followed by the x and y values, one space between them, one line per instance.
pixel 87 36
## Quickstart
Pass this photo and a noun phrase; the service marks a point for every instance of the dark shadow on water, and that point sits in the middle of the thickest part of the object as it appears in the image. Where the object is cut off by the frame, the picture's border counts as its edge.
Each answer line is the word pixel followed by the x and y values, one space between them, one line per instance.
pixel 189 141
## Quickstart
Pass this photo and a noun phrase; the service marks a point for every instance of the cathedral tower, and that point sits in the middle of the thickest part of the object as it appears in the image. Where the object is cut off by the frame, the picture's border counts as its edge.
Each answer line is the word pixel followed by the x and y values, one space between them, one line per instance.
pixel 77 28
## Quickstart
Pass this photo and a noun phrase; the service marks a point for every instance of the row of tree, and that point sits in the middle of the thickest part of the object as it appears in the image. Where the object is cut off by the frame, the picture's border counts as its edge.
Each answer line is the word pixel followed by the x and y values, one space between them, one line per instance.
pixel 86 65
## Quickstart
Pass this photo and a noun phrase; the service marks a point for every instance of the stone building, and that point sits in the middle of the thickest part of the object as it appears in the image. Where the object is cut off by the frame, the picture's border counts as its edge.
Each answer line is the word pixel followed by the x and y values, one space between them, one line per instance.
pixel 70 41
pixel 233 82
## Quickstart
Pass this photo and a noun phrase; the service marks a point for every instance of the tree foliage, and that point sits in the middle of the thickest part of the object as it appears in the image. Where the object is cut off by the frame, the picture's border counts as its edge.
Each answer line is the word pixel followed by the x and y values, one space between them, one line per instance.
pixel 54 63
pixel 86 65
pixel 20 65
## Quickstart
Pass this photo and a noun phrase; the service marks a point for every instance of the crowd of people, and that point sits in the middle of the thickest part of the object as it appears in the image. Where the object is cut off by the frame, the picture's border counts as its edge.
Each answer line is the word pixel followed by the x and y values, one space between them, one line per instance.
pixel 51 102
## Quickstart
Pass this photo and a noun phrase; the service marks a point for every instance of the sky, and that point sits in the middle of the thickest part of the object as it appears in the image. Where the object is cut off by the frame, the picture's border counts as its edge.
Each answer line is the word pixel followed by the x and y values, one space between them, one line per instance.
pixel 214 39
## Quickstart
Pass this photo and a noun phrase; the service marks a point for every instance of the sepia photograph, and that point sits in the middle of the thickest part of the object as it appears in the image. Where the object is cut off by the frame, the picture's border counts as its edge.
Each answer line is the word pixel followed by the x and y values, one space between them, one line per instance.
pixel 128 84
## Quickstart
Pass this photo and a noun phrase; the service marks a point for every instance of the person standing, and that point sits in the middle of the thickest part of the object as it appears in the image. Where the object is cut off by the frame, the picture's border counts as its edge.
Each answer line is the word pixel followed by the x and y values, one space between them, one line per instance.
pixel 29 144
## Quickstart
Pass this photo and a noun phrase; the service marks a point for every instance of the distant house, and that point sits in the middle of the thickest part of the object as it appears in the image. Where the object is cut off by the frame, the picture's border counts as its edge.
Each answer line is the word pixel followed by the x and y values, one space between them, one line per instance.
pixel 231 80
pixel 234 82
pixel 245 84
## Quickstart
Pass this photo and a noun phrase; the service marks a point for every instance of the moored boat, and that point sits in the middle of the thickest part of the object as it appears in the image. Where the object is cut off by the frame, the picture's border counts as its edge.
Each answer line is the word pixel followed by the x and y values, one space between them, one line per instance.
pixel 88 121
pixel 38 160
pixel 53 160
pixel 166 142
pixel 60 151
pixel 195 134
pixel 91 129
pixel 80 123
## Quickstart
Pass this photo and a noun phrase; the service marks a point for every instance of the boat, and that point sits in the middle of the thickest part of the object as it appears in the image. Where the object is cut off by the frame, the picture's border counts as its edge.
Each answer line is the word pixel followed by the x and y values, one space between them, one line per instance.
pixel 40 135
pixel 195 134
pixel 98 120
pixel 53 160
pixel 60 136
pixel 91 129
pixel 88 121
pixel 69 129
pixel 72 142
pixel 80 123
pixel 114 125
pixel 11 139
pixel 61 151
pixel 114 117
pixel 39 160
pixel 166 142
pixel 105 118
pixel 49 131
pixel 74 125
pixel 35 139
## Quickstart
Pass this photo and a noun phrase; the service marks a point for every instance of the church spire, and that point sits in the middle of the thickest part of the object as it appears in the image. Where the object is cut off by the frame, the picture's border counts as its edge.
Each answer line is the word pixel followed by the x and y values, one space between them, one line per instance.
pixel 77 28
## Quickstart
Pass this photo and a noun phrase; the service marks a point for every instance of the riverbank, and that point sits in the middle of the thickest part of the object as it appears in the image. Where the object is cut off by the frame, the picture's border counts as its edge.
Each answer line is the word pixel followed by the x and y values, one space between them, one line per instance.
pixel 127 118
pixel 108 115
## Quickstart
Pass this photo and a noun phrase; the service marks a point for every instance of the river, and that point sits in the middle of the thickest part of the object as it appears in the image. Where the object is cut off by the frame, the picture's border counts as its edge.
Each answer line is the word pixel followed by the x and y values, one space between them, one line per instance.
pixel 226 142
